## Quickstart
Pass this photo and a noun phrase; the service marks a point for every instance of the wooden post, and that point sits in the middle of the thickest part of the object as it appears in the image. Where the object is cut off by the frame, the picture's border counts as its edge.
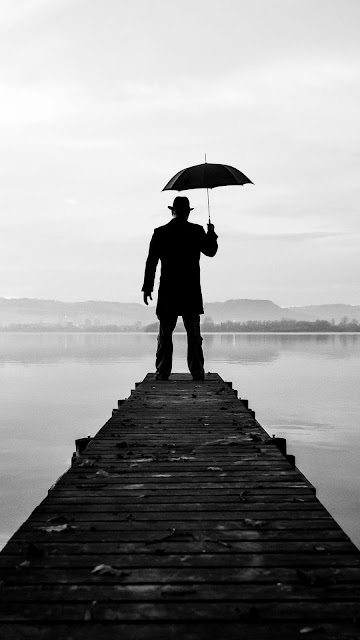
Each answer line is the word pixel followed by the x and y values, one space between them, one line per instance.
pixel 80 446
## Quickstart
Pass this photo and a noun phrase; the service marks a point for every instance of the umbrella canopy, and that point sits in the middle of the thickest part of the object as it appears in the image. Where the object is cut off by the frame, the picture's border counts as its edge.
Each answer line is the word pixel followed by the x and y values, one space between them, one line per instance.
pixel 206 176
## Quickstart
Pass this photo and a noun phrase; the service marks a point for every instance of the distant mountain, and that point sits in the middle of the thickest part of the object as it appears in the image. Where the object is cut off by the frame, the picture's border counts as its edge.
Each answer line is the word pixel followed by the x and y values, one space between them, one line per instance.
pixel 92 312
pixel 32 310
pixel 244 310
pixel 328 312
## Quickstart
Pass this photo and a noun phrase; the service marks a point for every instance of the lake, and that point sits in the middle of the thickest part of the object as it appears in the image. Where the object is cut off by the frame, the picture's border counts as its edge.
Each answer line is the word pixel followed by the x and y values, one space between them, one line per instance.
pixel 57 387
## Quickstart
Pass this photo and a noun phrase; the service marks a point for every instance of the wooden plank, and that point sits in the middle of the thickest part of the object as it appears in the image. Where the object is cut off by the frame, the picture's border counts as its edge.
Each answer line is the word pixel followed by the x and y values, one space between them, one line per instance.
pixel 192 611
pixel 114 630
pixel 149 592
pixel 204 554
pixel 191 542
pixel 320 575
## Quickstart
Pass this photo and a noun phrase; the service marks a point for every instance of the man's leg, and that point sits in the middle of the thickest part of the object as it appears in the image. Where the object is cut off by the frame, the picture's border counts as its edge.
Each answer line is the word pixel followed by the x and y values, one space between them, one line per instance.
pixel 195 355
pixel 165 346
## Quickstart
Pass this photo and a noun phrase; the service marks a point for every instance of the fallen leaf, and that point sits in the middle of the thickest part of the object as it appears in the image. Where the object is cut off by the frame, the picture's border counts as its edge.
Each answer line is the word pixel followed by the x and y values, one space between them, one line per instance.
pixel 102 473
pixel 87 463
pixel 218 541
pixel 255 437
pixel 107 569
pixel 214 468
pixel 169 535
pixel 24 565
pixel 181 459
pixel 57 529
pixel 253 523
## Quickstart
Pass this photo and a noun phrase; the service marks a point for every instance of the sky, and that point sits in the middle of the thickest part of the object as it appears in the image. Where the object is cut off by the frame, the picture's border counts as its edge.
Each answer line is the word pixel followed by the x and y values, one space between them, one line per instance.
pixel 103 101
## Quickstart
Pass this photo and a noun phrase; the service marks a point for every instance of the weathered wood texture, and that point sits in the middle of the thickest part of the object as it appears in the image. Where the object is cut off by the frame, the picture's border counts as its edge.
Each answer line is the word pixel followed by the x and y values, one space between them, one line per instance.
pixel 181 519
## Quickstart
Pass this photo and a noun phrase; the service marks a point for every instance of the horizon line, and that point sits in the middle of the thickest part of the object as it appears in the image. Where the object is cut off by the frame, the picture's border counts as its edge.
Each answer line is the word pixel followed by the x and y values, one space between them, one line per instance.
pixel 322 304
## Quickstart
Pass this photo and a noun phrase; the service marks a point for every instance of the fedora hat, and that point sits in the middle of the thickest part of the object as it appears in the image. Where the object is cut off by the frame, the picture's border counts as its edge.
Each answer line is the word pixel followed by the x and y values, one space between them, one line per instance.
pixel 181 204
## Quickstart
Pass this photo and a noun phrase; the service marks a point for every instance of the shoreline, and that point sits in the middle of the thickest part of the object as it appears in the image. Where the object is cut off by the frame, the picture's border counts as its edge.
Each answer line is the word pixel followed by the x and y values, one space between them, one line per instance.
pixel 155 333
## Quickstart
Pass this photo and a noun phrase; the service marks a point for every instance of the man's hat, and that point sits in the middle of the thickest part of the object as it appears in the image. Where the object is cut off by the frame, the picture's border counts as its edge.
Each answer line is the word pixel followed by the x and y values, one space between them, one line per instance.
pixel 181 205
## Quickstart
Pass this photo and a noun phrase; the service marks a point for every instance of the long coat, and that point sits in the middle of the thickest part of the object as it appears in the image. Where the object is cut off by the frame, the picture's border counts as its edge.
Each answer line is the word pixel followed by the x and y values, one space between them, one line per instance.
pixel 178 246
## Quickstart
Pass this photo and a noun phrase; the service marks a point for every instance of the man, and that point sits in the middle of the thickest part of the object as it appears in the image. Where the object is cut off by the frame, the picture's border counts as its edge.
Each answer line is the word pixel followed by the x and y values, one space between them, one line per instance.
pixel 178 246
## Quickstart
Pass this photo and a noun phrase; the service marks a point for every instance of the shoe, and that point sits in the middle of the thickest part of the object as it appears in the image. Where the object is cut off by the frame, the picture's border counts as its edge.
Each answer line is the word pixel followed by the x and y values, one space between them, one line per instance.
pixel 161 376
pixel 199 376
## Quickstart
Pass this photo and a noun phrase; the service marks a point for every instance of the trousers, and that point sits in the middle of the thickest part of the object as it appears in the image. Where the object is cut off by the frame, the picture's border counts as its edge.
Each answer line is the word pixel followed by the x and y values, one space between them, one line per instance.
pixel 164 353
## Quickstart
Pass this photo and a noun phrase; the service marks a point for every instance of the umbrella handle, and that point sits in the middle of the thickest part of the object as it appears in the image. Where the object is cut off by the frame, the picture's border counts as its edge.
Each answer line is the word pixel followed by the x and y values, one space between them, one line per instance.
pixel 208 203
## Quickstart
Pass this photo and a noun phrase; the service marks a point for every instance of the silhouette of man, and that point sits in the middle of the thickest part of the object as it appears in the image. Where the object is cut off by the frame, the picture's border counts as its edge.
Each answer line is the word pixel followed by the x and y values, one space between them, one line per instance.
pixel 178 246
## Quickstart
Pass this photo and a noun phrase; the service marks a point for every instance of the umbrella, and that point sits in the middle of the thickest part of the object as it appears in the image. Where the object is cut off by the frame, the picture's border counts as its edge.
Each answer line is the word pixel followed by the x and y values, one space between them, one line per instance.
pixel 206 176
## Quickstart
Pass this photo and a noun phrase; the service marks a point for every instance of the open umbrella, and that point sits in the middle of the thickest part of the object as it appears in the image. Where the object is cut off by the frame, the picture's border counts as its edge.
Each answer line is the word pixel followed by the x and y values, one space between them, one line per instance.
pixel 206 176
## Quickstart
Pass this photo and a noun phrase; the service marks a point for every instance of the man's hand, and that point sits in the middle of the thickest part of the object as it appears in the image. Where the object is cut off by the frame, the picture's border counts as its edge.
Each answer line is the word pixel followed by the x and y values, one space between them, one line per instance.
pixel 211 227
pixel 146 296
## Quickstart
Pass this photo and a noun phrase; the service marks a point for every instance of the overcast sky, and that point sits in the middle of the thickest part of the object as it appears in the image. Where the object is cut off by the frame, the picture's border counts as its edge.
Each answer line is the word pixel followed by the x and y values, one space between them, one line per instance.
pixel 103 101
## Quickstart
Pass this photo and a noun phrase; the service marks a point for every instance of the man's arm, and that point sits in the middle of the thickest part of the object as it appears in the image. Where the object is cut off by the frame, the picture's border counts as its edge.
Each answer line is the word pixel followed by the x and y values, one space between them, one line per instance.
pixel 209 245
pixel 150 269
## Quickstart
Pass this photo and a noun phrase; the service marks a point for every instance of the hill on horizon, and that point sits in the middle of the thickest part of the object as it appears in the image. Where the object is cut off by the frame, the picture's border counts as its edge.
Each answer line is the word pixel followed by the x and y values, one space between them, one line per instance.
pixel 98 312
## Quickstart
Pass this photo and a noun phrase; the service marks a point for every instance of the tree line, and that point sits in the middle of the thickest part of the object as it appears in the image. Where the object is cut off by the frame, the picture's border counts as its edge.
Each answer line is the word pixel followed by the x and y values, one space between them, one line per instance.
pixel 208 325
pixel 284 325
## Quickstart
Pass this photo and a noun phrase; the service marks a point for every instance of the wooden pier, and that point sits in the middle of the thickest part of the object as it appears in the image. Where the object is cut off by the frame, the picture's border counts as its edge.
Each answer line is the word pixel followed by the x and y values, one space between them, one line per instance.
pixel 182 518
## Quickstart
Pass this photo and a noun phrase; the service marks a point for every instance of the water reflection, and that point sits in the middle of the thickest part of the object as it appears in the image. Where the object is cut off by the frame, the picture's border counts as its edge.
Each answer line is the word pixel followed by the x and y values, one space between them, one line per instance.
pixel 254 348
pixel 58 347
pixel 32 348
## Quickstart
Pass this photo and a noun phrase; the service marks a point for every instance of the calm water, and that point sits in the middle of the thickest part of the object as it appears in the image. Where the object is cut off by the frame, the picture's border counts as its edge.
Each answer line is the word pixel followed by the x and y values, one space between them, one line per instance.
pixel 58 387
